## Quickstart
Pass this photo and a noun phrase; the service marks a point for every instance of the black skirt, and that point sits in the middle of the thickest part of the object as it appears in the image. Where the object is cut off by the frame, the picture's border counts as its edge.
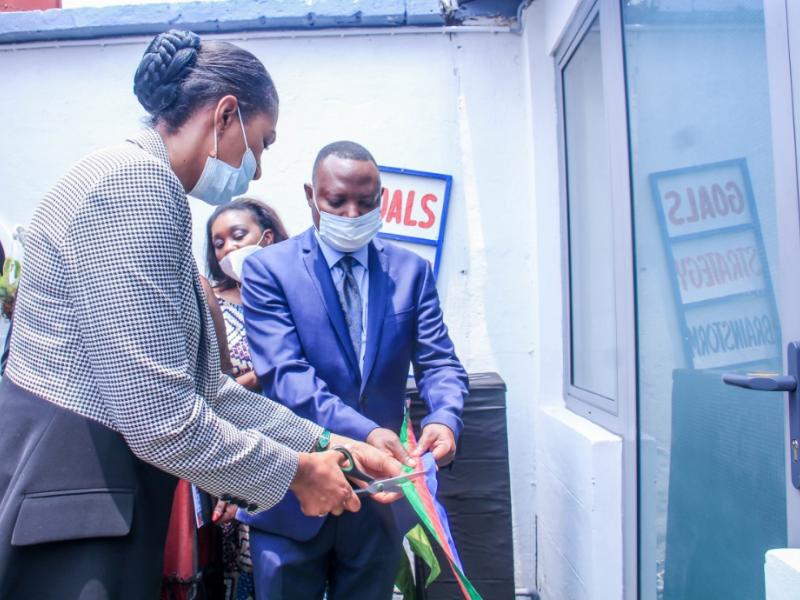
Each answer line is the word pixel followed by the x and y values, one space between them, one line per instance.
pixel 80 516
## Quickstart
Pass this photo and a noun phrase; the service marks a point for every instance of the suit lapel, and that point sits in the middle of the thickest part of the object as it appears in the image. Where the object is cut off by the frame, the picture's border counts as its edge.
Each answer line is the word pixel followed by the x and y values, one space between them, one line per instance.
pixel 320 275
pixel 378 283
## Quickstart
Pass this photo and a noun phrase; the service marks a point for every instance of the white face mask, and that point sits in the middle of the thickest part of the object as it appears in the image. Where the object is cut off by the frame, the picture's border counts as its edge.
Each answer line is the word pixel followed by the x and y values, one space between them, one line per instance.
pixel 348 234
pixel 220 182
pixel 233 262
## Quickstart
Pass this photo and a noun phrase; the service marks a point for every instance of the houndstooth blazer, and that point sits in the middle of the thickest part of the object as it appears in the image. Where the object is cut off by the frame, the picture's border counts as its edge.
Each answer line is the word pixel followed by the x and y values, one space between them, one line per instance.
pixel 112 323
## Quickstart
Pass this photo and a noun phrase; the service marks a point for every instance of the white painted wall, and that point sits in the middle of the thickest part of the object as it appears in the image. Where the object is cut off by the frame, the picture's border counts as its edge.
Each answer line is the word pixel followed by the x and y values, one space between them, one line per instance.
pixel 782 572
pixel 450 103
pixel 557 15
pixel 580 491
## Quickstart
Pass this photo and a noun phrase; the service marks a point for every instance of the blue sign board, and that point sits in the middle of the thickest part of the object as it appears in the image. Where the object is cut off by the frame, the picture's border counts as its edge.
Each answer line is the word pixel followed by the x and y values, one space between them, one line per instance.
pixel 414 210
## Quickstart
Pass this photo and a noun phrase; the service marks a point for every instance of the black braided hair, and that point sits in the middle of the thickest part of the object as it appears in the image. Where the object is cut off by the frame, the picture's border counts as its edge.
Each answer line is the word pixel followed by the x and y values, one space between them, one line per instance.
pixel 165 62
pixel 179 74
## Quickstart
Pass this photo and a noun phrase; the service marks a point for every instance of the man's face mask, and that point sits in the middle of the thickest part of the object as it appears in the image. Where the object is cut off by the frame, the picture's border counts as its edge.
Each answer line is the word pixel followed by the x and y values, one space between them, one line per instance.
pixel 348 234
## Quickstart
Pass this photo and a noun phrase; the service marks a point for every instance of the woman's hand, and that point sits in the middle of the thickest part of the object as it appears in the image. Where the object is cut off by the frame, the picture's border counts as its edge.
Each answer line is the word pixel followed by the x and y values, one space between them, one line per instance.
pixel 250 381
pixel 378 464
pixel 224 512
pixel 321 487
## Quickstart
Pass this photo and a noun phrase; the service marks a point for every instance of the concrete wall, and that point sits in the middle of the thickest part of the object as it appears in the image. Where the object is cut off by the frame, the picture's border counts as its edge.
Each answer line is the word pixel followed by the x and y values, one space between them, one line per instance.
pixel 782 572
pixel 450 103
pixel 580 492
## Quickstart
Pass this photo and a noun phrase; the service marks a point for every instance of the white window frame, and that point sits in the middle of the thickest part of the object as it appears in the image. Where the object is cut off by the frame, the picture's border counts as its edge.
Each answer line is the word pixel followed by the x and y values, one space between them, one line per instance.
pixel 620 414
pixel 607 412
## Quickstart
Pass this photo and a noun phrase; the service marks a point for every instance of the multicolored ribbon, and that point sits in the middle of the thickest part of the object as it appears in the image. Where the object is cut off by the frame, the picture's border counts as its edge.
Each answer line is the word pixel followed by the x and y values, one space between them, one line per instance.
pixel 421 548
pixel 421 494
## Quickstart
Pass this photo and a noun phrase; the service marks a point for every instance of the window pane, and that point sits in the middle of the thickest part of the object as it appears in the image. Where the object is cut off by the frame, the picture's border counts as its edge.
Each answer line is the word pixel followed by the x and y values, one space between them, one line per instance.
pixel 591 263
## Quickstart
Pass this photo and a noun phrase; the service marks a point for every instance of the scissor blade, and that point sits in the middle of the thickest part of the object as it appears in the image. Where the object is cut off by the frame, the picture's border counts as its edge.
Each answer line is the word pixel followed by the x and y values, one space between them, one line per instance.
pixel 391 484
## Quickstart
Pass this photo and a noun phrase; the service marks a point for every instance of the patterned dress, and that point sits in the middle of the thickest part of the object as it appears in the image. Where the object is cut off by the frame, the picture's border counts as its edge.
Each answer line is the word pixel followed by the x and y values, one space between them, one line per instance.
pixel 238 567
pixel 237 338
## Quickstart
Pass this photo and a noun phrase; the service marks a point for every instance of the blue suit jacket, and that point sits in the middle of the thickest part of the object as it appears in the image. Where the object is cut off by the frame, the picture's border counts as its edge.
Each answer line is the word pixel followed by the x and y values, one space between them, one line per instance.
pixel 302 353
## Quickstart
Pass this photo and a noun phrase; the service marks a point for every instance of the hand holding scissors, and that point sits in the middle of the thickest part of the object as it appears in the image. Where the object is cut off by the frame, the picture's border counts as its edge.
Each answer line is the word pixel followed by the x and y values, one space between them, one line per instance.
pixel 384 490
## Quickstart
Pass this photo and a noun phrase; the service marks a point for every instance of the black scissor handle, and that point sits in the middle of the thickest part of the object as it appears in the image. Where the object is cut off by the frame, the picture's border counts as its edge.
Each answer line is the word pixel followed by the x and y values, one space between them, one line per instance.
pixel 350 469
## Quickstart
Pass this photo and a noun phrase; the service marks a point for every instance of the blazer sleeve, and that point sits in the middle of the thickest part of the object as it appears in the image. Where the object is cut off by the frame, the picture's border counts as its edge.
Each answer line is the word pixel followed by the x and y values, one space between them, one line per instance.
pixel 249 410
pixel 441 379
pixel 125 255
pixel 280 362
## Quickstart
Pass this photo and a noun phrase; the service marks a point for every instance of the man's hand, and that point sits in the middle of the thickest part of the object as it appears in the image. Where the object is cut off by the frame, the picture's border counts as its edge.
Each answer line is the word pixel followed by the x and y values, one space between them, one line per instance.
pixel 439 439
pixel 321 487
pixel 387 441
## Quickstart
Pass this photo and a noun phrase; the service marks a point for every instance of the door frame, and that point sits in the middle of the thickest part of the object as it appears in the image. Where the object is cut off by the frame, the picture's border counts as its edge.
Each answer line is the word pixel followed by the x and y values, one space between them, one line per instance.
pixel 782 32
pixel 621 415
pixel 782 35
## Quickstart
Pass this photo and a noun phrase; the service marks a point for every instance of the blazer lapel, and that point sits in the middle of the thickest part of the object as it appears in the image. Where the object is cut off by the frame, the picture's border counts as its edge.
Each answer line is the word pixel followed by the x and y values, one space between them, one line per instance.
pixel 378 284
pixel 320 275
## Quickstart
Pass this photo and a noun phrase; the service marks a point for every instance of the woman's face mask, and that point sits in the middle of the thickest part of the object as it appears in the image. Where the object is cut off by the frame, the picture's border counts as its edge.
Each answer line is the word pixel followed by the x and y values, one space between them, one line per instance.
pixel 220 182
pixel 233 262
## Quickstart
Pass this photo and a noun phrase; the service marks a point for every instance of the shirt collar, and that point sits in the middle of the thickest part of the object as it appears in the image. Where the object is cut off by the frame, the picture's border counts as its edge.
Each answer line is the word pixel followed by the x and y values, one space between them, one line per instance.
pixel 332 255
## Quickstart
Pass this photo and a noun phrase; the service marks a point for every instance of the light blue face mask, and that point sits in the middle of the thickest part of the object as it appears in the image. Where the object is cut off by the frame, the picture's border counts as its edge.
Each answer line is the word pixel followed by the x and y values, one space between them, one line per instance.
pixel 220 182
pixel 349 234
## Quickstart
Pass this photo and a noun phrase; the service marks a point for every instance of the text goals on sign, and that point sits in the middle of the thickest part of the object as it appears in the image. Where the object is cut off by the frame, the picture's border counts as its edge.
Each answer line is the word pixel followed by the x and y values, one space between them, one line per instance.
pixel 717 265
pixel 414 210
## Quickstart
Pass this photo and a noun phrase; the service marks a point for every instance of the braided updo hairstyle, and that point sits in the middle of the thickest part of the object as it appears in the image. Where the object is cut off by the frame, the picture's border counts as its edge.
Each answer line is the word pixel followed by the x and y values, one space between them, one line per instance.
pixel 180 74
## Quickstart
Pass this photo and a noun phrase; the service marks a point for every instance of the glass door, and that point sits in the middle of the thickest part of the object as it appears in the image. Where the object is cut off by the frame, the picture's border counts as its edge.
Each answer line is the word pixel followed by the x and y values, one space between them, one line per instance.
pixel 717 259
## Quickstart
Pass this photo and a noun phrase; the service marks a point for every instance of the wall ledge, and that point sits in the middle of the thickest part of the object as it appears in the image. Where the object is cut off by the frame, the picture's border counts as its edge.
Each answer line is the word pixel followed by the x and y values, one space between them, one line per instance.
pixel 589 429
pixel 216 16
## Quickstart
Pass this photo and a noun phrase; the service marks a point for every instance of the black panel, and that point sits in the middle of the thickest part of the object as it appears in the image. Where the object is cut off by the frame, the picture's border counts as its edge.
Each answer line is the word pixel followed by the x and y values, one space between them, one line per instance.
pixel 476 492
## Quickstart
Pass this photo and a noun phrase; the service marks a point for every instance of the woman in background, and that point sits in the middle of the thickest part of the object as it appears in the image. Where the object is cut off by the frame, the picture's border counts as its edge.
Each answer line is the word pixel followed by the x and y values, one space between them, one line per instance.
pixel 234 231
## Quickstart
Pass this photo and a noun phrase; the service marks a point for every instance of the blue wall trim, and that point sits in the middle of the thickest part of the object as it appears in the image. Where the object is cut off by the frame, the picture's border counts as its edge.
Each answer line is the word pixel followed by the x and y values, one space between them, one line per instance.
pixel 215 17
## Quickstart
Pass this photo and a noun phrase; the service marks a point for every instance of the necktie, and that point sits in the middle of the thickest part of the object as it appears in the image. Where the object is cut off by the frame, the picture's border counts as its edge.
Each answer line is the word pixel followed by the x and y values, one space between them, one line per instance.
pixel 350 299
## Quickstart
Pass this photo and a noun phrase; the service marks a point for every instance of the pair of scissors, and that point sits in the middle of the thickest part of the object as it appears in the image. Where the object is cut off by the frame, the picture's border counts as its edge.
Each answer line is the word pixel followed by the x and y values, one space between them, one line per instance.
pixel 374 486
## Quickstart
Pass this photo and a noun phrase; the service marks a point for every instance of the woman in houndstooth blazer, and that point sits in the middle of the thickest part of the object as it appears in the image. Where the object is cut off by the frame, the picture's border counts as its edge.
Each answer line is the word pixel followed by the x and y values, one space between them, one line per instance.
pixel 113 387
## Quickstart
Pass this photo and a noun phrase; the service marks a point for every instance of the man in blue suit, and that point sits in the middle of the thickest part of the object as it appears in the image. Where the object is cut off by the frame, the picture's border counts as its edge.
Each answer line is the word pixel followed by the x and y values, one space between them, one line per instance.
pixel 334 318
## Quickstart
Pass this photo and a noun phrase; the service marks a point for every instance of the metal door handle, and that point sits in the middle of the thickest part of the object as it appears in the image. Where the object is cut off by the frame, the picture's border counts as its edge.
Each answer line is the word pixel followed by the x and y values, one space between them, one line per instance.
pixel 775 382
pixel 763 382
